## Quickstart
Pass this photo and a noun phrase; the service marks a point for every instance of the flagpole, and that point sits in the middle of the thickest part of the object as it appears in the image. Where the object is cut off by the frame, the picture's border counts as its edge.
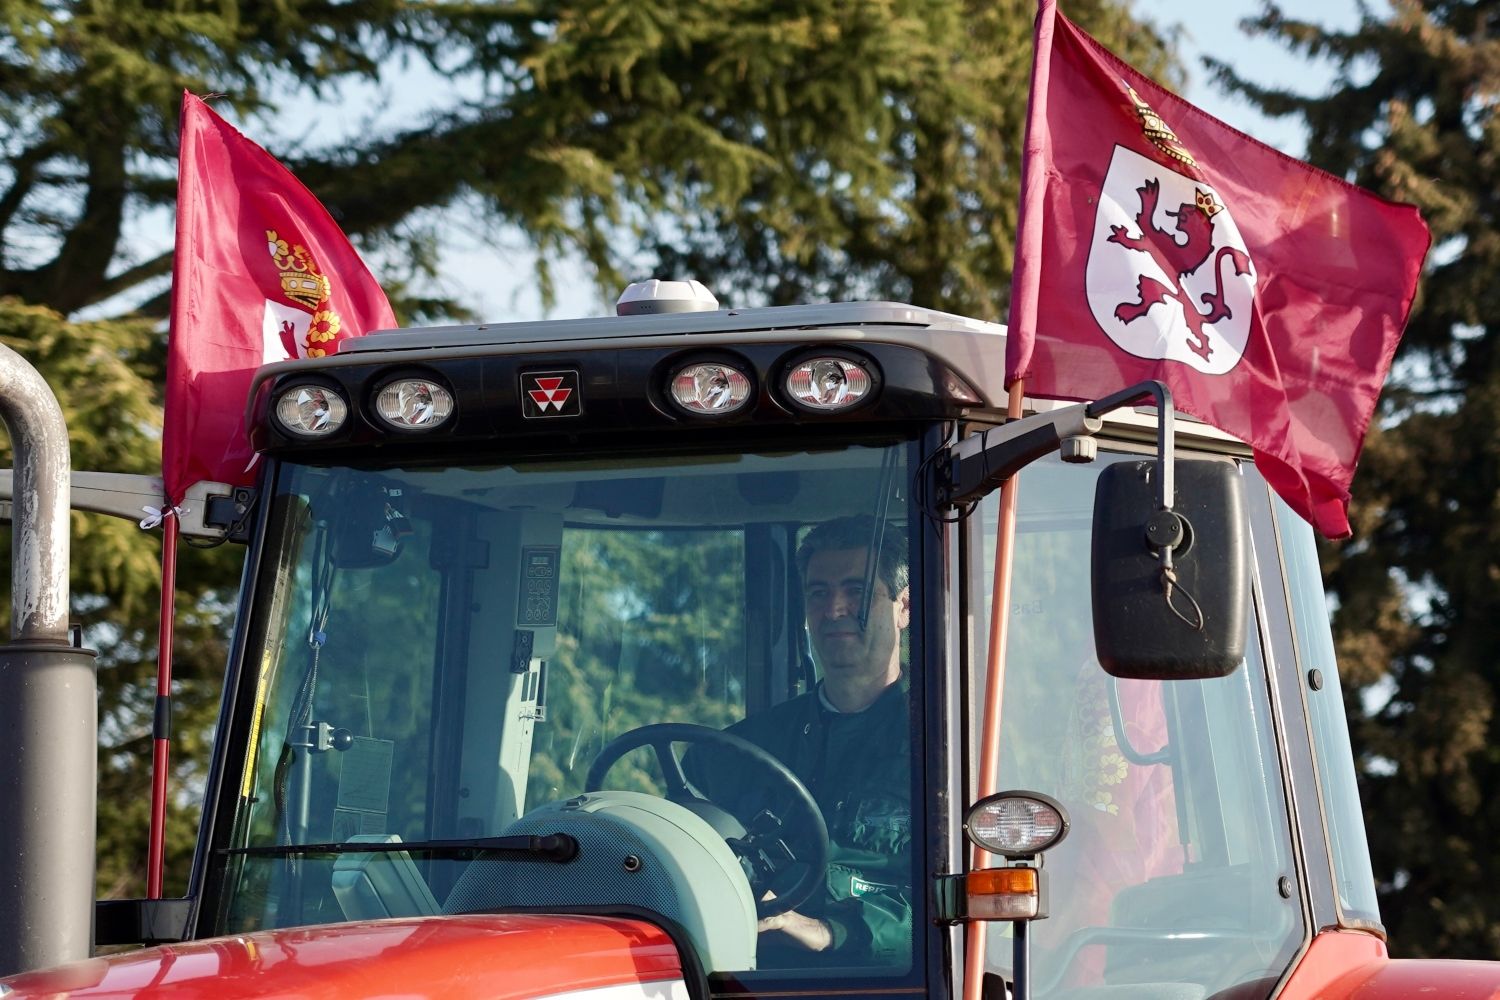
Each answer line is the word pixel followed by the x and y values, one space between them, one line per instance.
pixel 994 688
pixel 162 721
pixel 1025 283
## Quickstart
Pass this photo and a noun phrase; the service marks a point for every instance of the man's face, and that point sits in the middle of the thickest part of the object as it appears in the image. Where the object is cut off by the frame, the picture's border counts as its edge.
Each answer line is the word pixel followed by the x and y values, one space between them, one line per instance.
pixel 832 595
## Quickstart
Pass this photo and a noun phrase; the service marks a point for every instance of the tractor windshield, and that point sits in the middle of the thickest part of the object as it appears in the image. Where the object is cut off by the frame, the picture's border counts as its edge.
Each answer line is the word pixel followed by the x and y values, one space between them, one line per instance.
pixel 558 647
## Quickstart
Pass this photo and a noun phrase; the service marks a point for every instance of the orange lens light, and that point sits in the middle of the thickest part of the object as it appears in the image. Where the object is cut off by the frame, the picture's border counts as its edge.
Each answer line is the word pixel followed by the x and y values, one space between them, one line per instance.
pixel 1003 894
pixel 989 881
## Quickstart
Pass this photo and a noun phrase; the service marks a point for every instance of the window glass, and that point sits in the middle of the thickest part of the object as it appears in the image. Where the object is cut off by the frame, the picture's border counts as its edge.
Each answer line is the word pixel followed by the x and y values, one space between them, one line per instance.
pixel 1168 881
pixel 652 629
pixel 457 653
pixel 1353 877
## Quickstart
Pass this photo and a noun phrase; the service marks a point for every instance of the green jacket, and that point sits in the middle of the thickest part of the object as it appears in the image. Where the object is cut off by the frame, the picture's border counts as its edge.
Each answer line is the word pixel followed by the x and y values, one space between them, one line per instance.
pixel 858 768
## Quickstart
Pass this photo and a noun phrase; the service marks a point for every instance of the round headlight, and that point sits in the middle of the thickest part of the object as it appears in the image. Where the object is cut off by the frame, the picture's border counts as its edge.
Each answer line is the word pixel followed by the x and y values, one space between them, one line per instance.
pixel 710 387
pixel 1016 824
pixel 414 404
pixel 830 383
pixel 311 411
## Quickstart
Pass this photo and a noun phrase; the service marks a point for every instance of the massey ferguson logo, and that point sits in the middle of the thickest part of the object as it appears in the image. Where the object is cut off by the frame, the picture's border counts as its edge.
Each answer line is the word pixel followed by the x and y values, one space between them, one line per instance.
pixel 1168 274
pixel 550 394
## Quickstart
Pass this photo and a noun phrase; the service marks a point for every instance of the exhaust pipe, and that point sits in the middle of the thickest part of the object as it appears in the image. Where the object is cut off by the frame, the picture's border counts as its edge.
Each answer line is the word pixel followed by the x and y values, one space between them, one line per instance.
pixel 49 707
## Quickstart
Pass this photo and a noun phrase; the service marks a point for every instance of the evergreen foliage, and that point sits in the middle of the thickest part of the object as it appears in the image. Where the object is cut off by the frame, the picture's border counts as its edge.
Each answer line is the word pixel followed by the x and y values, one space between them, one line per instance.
pixel 107 378
pixel 785 148
pixel 794 147
pixel 1412 114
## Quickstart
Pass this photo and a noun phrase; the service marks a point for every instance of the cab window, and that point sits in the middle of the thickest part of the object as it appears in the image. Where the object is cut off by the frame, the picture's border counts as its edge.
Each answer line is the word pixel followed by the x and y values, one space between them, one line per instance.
pixel 1171 878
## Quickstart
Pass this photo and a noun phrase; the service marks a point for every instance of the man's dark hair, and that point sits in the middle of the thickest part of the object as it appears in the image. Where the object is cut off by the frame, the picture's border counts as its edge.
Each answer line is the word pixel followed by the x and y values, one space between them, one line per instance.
pixel 859 533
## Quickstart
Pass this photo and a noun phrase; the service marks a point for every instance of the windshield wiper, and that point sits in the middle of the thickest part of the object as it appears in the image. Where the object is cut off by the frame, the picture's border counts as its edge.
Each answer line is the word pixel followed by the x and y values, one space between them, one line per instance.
pixel 559 847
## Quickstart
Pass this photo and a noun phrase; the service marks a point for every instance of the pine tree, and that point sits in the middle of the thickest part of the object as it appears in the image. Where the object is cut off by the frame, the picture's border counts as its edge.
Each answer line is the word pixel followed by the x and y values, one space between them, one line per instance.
pixel 917 202
pixel 107 386
pixel 782 148
pixel 1412 115
pixel 789 140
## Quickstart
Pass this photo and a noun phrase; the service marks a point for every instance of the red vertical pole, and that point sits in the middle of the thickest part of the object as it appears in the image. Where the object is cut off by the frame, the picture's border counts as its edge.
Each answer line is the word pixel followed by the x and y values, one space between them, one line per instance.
pixel 161 727
pixel 994 690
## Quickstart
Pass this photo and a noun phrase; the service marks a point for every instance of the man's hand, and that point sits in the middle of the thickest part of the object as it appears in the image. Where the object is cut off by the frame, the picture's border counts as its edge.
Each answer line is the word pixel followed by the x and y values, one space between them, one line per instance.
pixel 810 932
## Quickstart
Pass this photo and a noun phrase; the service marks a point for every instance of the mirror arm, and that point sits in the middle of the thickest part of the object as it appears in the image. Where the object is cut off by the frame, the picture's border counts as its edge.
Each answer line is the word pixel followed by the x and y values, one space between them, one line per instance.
pixel 1162 396
pixel 980 463
pixel 1165 529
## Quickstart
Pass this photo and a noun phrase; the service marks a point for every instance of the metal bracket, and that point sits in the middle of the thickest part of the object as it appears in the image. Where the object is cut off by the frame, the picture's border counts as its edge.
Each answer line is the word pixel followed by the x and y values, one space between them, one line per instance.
pixel 231 512
pixel 950 899
pixel 1162 397
pixel 321 737
pixel 979 464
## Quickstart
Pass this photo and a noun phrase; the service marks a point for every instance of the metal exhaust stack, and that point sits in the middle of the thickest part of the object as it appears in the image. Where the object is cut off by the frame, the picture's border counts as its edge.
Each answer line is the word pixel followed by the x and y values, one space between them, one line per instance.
pixel 48 702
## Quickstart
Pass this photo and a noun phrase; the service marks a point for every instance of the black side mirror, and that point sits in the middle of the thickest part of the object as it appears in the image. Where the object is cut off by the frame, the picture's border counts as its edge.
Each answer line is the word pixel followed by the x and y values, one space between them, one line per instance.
pixel 1192 621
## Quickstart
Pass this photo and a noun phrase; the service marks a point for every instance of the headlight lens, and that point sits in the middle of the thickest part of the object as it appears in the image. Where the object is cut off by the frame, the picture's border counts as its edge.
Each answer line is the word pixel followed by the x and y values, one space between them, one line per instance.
pixel 710 387
pixel 829 383
pixel 1016 824
pixel 311 411
pixel 414 404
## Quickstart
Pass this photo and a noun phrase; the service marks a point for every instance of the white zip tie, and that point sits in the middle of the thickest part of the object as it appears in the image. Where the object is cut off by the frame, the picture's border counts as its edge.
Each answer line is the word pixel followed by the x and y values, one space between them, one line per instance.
pixel 155 516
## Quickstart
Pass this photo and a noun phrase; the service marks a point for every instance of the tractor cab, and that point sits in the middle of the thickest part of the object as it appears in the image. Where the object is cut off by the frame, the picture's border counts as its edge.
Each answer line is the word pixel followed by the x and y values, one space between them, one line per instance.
pixel 686 617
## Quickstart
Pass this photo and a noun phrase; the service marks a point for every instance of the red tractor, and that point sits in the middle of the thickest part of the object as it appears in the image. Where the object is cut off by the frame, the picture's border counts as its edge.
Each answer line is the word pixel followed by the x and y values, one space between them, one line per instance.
pixel 651 656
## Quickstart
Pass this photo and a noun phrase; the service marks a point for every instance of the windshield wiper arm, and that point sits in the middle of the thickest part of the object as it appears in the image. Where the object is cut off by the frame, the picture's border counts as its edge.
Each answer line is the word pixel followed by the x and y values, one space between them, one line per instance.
pixel 559 847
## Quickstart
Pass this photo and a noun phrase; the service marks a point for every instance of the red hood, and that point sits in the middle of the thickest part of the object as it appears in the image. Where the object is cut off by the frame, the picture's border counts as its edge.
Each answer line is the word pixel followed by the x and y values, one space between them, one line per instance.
pixel 496 957
pixel 1349 965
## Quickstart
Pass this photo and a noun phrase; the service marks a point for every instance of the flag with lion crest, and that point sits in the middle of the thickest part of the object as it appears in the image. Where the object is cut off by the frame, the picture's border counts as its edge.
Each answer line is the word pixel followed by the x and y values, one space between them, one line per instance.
pixel 1156 242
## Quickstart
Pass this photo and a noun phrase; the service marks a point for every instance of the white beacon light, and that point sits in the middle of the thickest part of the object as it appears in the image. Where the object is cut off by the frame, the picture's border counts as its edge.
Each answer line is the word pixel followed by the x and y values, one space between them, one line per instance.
pixel 414 404
pixel 710 387
pixel 311 411
pixel 829 383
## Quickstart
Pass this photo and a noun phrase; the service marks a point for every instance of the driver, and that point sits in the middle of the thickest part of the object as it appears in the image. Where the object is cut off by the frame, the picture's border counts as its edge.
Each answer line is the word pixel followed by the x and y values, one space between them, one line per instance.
pixel 849 742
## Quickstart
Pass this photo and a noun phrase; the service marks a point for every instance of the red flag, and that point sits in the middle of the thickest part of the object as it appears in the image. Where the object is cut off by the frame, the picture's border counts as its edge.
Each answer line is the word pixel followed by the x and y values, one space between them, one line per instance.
pixel 1156 242
pixel 262 273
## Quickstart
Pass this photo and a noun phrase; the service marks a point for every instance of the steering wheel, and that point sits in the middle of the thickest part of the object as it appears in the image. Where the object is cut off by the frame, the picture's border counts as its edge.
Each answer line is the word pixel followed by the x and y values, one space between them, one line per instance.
pixel 759 844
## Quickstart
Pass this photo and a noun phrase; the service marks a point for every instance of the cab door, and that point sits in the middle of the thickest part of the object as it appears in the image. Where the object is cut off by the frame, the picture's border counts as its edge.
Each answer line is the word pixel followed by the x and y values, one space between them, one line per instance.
pixel 1178 876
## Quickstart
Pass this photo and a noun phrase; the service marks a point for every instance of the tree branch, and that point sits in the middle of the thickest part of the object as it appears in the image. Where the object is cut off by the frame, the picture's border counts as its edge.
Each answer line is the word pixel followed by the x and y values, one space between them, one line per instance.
pixel 154 268
pixel 73 277
pixel 24 169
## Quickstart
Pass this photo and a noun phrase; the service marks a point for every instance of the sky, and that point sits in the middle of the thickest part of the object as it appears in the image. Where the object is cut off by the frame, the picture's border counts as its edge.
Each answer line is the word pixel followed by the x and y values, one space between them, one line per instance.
pixel 1212 28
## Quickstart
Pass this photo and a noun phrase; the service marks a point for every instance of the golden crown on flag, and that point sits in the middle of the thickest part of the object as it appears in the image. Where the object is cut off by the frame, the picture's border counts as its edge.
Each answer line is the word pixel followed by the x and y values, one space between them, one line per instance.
pixel 1159 132
pixel 300 279
pixel 1207 204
